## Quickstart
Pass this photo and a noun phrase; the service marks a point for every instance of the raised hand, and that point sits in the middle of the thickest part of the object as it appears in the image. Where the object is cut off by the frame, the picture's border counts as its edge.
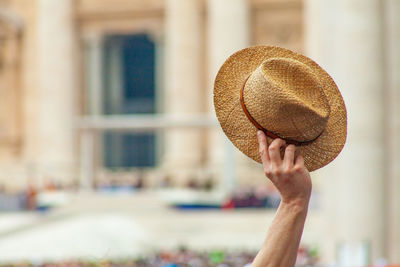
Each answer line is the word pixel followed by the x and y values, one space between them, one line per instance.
pixel 288 174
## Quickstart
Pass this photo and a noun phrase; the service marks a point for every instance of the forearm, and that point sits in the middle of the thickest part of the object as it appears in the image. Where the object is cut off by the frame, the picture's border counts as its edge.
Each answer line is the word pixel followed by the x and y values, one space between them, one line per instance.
pixel 283 238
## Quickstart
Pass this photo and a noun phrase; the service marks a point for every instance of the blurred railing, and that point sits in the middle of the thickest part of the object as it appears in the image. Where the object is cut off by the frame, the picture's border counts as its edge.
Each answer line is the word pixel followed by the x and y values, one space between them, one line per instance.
pixel 91 125
pixel 145 123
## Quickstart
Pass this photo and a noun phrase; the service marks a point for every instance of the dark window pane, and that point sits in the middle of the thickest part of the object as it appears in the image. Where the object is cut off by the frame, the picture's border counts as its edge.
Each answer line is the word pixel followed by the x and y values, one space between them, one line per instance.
pixel 134 57
pixel 129 150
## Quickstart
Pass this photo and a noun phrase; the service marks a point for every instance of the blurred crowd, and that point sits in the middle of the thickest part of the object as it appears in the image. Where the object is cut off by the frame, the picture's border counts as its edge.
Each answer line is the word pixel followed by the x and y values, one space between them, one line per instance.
pixel 27 198
pixel 265 196
pixel 183 258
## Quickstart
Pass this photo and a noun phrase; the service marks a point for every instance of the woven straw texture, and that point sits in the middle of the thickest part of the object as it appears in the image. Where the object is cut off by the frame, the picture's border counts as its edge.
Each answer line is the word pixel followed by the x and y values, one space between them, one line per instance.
pixel 287 94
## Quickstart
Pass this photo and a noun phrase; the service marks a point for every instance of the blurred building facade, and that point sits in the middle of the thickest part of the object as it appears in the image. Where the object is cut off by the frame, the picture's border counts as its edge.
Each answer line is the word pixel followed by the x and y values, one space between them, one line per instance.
pixel 63 61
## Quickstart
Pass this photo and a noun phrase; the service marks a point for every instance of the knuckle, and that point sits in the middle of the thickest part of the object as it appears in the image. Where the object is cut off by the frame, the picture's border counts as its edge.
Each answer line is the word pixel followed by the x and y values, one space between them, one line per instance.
pixel 297 169
pixel 276 171
pixel 273 148
pixel 288 171
pixel 267 172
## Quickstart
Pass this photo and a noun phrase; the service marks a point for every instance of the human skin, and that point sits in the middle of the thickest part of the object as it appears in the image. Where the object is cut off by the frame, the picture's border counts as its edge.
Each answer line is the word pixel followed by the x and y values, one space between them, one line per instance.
pixel 292 179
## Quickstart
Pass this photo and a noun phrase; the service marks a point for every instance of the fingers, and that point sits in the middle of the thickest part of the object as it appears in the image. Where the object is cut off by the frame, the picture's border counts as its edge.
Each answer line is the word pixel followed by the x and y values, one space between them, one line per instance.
pixel 271 156
pixel 288 159
pixel 299 162
pixel 274 152
pixel 263 148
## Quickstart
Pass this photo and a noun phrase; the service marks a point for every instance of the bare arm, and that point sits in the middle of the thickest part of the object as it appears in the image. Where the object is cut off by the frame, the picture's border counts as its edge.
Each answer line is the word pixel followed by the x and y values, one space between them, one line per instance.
pixel 292 179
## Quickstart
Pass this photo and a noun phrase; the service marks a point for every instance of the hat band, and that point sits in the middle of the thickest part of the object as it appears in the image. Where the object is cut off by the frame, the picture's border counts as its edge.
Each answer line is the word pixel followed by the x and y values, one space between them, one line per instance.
pixel 267 132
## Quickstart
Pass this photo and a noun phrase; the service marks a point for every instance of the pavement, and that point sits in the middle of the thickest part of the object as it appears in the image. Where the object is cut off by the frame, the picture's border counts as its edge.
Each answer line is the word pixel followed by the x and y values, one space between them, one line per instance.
pixel 96 226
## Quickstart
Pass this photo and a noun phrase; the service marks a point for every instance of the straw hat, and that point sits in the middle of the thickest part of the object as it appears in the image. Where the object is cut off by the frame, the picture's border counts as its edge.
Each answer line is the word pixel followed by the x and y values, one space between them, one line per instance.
pixel 285 94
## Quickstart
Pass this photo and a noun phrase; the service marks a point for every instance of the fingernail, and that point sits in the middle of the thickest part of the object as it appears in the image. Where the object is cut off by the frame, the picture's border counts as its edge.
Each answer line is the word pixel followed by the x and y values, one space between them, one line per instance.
pixel 259 134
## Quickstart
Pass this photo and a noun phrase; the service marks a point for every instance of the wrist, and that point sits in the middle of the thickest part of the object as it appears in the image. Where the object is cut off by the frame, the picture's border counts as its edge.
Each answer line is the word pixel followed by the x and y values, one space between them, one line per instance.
pixel 297 205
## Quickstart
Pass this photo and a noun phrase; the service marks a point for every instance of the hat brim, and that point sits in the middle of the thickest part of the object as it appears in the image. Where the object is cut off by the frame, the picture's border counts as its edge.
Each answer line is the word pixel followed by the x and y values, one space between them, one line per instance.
pixel 243 134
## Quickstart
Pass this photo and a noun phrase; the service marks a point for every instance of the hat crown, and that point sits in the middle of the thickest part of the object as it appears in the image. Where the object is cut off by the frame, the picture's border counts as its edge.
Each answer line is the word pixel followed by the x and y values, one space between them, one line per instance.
pixel 285 97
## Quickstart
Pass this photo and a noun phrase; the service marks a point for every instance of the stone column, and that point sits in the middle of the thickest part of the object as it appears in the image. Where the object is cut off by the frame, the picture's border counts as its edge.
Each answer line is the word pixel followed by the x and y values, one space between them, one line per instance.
pixel 350 36
pixel 228 32
pixel 392 43
pixel 116 95
pixel 10 93
pixel 312 29
pixel 313 33
pixel 94 43
pixel 53 131
pixel 183 76
pixel 91 142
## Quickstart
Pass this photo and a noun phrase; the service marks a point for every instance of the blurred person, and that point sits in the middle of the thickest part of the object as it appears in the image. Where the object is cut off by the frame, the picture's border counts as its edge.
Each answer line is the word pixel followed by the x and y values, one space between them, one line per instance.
pixel 166 182
pixel 208 184
pixel 292 179
pixel 192 183
pixel 31 196
pixel 139 183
